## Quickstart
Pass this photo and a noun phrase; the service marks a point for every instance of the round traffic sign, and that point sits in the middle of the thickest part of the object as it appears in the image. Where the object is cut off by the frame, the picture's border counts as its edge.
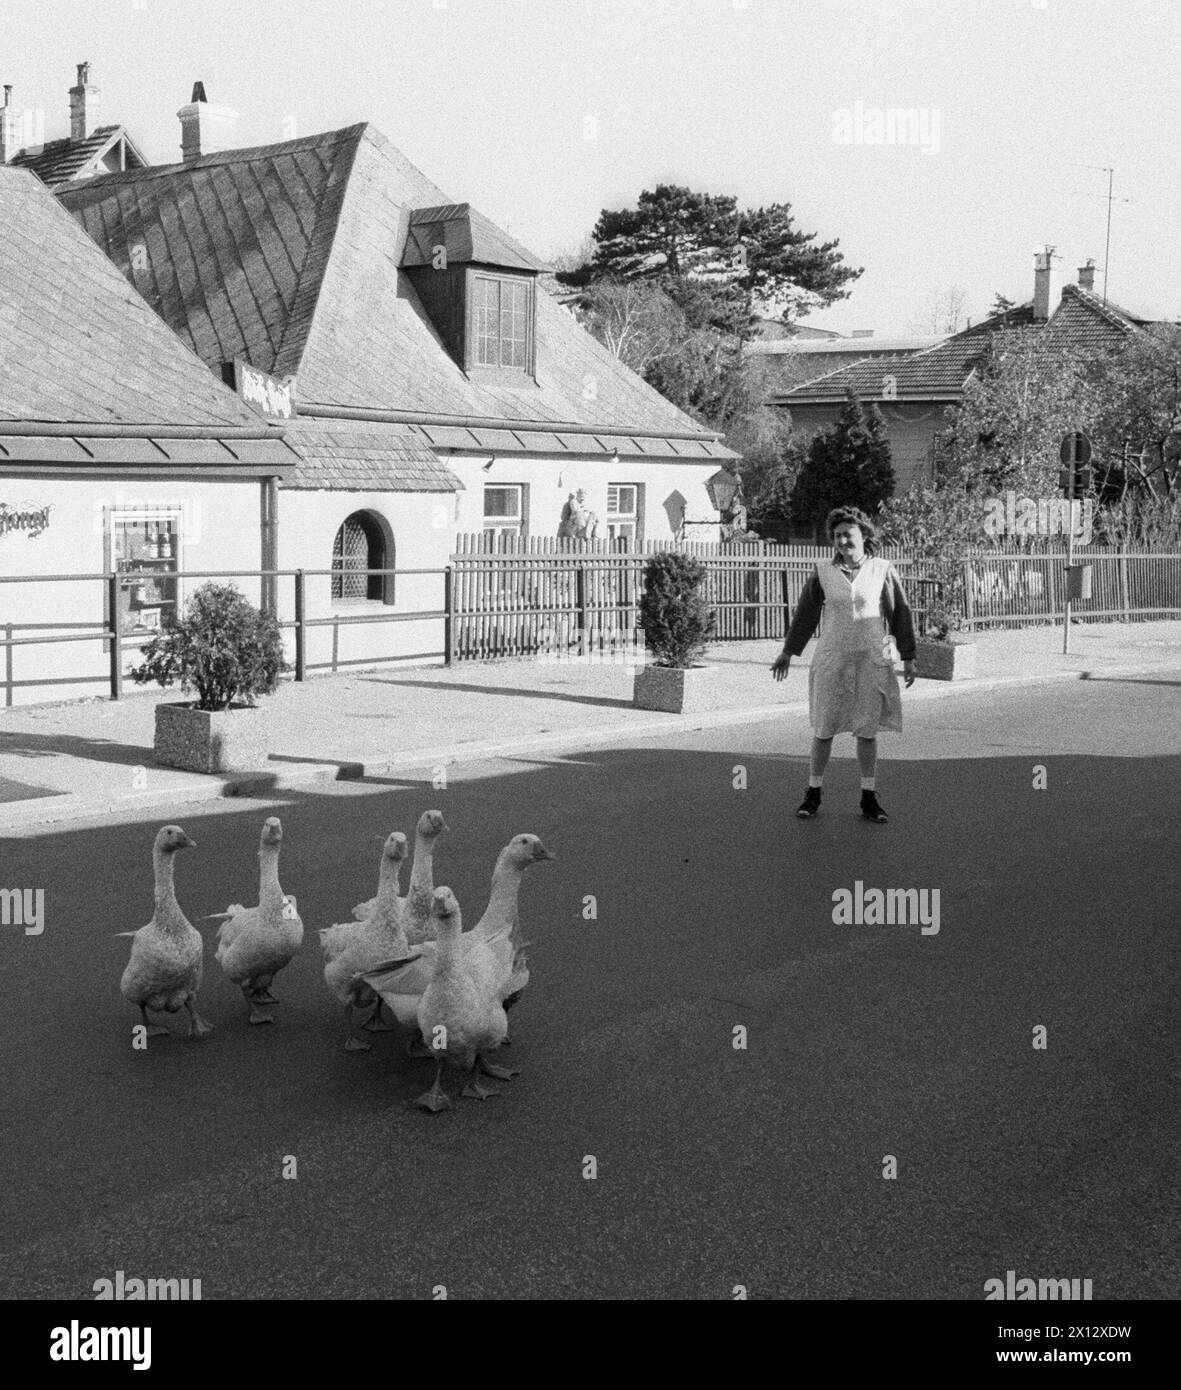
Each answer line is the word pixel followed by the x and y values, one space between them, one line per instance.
pixel 1075 448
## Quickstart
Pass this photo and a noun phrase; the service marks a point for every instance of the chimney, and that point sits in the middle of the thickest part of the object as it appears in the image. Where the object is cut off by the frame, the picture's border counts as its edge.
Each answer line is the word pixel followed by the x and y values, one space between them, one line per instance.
pixel 1086 275
pixel 10 129
pixel 205 129
pixel 1046 289
pixel 84 105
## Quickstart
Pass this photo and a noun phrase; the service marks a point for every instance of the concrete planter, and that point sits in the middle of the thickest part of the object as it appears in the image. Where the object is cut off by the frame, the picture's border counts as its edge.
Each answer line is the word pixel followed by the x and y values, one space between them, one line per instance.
pixel 945 661
pixel 231 740
pixel 676 689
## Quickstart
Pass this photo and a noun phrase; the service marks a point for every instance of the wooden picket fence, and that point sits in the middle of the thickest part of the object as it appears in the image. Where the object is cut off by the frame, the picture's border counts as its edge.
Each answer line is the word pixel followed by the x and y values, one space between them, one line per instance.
pixel 515 597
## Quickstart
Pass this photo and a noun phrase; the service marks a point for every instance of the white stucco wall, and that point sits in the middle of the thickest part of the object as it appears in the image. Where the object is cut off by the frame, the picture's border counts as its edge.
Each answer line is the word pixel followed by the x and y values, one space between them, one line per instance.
pixel 219 530
pixel 422 528
pixel 550 481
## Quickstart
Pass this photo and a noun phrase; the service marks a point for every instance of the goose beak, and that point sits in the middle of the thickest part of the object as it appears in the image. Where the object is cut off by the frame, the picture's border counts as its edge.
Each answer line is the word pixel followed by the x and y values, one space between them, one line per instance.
pixel 542 853
pixel 187 843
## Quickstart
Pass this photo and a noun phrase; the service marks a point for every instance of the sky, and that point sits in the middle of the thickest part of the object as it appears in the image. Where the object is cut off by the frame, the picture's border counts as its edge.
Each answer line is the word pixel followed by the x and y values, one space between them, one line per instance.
pixel 541 113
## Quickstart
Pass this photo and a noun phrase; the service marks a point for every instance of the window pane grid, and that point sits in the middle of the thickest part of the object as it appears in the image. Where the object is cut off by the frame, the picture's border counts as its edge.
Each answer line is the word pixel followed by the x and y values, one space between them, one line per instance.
pixel 501 327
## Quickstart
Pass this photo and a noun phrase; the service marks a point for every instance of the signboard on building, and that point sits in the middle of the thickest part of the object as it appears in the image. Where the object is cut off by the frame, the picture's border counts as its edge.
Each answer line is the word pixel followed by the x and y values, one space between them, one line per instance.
pixel 28 517
pixel 267 394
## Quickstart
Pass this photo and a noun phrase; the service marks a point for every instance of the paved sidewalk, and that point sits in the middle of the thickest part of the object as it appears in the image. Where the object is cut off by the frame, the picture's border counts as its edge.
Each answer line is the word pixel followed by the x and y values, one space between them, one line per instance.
pixel 84 758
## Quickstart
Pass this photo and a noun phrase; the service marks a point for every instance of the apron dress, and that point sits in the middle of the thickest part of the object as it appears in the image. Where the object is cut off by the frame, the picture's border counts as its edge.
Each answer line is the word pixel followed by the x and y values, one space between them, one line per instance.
pixel 852 688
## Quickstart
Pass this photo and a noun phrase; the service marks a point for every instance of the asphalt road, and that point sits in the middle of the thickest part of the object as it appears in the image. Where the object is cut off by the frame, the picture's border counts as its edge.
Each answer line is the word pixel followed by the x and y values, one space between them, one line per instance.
pixel 715 1166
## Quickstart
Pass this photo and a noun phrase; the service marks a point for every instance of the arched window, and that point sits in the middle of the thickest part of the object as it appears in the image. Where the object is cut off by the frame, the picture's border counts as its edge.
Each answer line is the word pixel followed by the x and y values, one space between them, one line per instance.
pixel 361 545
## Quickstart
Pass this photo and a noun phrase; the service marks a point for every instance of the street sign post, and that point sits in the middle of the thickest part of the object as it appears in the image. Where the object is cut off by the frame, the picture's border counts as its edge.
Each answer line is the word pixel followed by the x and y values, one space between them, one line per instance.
pixel 1075 453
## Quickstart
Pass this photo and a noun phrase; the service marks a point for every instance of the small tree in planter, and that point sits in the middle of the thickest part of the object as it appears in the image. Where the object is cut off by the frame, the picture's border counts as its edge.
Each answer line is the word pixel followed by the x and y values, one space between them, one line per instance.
pixel 940 653
pixel 677 624
pixel 223 648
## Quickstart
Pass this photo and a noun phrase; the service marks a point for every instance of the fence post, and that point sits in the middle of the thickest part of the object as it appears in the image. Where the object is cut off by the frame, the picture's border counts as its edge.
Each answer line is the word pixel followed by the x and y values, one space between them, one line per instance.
pixel 301 669
pixel 969 598
pixel 448 628
pixel 8 666
pixel 580 601
pixel 113 588
pixel 1122 561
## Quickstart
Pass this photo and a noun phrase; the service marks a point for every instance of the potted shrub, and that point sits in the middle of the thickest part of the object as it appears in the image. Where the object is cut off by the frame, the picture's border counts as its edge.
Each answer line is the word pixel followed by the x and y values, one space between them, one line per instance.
pixel 940 654
pixel 229 653
pixel 677 624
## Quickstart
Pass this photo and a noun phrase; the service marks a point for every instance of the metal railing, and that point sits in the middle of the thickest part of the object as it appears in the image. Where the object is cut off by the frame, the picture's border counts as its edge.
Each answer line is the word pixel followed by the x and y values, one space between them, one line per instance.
pixel 116 639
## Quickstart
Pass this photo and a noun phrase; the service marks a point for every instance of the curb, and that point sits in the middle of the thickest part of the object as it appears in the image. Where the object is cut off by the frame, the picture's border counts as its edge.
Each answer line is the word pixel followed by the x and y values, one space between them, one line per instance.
pixel 264 782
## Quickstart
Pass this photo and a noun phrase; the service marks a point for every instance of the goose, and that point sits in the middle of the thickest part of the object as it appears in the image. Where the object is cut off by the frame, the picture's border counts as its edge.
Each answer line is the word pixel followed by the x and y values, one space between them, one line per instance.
pixel 255 943
pixel 460 1010
pixel 401 983
pixel 417 903
pixel 352 947
pixel 164 972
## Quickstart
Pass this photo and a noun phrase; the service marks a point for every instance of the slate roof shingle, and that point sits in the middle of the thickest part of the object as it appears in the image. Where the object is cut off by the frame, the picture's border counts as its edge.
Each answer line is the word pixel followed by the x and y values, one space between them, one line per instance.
pixel 364 457
pixel 289 255
pixel 79 345
pixel 467 235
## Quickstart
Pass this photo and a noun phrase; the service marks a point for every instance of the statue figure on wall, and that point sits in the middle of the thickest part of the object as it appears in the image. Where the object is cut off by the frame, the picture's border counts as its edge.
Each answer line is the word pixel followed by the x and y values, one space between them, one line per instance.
pixel 578 522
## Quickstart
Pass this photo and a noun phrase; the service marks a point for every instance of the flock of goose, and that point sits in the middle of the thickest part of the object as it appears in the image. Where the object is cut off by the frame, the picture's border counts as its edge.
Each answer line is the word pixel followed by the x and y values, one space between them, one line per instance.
pixel 408 954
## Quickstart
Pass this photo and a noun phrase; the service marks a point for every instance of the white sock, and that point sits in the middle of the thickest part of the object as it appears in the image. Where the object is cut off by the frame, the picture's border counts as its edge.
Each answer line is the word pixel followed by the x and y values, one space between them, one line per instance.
pixel 869 784
pixel 816 782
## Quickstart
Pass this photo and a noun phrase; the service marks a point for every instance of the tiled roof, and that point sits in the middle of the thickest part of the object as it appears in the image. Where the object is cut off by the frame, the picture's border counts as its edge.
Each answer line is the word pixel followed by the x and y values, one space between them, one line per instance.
pixel 339 454
pixel 939 373
pixel 1084 321
pixel 467 235
pixel 289 254
pixel 79 345
pixel 61 160
pixel 785 370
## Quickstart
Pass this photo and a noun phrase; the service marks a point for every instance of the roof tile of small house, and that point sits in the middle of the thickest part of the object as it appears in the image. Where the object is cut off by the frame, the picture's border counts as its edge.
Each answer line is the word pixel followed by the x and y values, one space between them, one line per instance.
pixel 289 255
pixel 61 160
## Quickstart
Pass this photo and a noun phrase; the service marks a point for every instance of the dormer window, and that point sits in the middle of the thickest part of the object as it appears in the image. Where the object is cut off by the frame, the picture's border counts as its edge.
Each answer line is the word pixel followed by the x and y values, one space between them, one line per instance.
pixel 502 314
pixel 477 287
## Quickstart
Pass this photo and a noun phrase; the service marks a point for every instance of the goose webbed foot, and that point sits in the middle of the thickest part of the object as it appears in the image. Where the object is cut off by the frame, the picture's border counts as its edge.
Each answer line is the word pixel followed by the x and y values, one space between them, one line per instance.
pixel 153 1030
pixel 353 1043
pixel 494 1069
pixel 263 996
pixel 475 1091
pixel 436 1098
pixel 417 1048
pixel 258 1015
pixel 197 1025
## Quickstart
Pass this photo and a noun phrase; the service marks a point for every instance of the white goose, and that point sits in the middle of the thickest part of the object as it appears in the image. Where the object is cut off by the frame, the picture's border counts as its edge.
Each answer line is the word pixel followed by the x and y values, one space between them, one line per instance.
pixel 402 984
pixel 255 943
pixel 460 1012
pixel 351 947
pixel 164 972
pixel 417 904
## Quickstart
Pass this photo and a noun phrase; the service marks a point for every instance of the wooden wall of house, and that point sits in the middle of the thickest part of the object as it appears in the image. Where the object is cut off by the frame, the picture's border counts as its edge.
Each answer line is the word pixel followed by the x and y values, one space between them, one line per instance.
pixel 910 426
pixel 443 297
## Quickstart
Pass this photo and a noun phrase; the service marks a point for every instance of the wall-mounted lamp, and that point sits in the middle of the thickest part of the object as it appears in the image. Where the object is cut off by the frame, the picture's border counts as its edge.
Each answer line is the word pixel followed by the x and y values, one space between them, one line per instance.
pixel 615 456
pixel 489 464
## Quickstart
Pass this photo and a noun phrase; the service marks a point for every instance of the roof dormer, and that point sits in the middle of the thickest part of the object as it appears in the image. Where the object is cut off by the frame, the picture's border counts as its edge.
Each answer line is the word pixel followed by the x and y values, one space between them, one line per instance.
pixel 478 286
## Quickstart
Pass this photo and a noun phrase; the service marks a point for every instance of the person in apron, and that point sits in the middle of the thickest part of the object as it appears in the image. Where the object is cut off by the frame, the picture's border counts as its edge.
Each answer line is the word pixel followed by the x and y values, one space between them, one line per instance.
pixel 852 687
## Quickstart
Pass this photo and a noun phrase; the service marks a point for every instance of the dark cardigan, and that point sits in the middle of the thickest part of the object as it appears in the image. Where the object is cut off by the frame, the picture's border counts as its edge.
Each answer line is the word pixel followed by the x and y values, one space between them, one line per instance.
pixel 895 615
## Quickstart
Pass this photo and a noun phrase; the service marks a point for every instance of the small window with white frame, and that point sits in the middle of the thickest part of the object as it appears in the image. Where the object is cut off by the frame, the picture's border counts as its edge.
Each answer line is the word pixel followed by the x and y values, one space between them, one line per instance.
pixel 624 519
pixel 505 507
pixel 145 544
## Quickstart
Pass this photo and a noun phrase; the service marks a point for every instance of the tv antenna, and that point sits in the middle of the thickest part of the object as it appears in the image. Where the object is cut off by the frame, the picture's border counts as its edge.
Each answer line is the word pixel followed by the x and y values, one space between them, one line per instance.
pixel 1111 198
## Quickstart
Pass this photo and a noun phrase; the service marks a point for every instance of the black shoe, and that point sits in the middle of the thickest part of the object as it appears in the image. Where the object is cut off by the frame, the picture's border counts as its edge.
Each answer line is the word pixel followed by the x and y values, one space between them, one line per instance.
pixel 810 804
pixel 871 810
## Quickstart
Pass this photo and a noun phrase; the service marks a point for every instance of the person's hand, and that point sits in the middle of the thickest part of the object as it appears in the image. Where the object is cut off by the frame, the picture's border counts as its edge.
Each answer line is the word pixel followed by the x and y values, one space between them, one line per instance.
pixel 908 673
pixel 780 667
